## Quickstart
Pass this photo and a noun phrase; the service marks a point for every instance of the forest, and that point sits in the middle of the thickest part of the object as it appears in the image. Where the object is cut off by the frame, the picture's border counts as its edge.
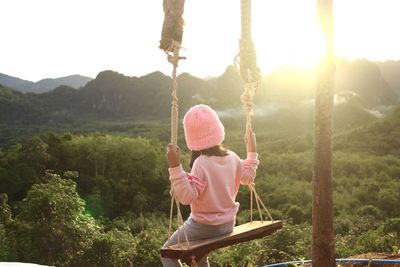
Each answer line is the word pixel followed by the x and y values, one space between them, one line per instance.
pixel 102 199
pixel 84 181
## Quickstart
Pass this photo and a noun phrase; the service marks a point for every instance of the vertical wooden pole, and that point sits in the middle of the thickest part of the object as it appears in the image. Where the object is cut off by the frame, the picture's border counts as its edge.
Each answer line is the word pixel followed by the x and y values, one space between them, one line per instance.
pixel 323 239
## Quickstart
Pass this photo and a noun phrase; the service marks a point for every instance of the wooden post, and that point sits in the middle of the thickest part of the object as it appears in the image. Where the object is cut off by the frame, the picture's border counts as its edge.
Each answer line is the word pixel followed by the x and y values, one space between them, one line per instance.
pixel 323 238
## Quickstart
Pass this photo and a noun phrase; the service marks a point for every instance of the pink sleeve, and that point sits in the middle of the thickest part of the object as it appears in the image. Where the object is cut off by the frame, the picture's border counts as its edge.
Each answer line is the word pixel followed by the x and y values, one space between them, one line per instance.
pixel 249 168
pixel 187 187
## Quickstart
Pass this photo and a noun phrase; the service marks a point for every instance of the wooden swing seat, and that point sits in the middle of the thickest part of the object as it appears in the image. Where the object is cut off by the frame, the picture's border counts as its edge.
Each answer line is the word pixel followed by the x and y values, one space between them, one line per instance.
pixel 200 248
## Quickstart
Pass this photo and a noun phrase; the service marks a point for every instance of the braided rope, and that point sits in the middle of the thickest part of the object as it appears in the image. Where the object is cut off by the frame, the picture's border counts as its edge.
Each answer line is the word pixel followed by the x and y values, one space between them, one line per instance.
pixel 251 205
pixel 180 222
pixel 258 202
pixel 249 71
pixel 173 23
pixel 251 76
pixel 246 18
pixel 171 215
pixel 173 58
pixel 247 101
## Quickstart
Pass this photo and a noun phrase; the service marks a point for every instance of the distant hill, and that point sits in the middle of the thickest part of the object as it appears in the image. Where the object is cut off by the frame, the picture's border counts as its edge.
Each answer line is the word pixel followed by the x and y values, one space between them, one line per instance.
pixel 361 81
pixel 362 94
pixel 364 78
pixel 16 107
pixel 74 81
pixel 391 73
pixel 381 137
pixel 15 83
pixel 45 85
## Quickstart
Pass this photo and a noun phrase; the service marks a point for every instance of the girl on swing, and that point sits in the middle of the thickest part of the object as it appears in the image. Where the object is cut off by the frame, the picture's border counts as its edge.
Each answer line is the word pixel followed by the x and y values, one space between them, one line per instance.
pixel 213 182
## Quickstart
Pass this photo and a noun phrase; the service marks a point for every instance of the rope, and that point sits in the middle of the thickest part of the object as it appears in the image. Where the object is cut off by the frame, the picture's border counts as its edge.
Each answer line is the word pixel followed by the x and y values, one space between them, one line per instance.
pixel 258 202
pixel 171 38
pixel 251 205
pixel 193 262
pixel 247 62
pixel 173 23
pixel 180 222
pixel 173 58
pixel 179 217
pixel 246 18
pixel 171 212
pixel 251 76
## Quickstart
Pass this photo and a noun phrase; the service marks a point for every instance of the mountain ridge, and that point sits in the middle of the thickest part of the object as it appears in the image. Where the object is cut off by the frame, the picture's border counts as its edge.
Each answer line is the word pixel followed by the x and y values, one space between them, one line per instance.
pixel 112 95
pixel 389 69
pixel 44 85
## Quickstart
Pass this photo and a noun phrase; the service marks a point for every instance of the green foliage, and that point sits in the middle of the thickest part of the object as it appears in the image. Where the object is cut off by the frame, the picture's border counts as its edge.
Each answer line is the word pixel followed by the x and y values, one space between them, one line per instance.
pixel 16 107
pixel 16 174
pixel 125 173
pixel 34 153
pixel 296 214
pixel 51 226
pixel 120 214
pixel 131 239
pixel 386 238
pixel 237 255
pixel 5 211
pixel 292 242
pixel 380 138
pixel 113 248
pixel 5 220
pixel 4 246
pixel 148 244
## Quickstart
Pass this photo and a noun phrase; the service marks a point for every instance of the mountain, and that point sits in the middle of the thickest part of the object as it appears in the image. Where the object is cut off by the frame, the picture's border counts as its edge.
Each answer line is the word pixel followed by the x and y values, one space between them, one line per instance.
pixel 361 95
pixel 364 78
pixel 74 81
pixel 360 81
pixel 381 137
pixel 391 73
pixel 16 107
pixel 16 83
pixel 45 85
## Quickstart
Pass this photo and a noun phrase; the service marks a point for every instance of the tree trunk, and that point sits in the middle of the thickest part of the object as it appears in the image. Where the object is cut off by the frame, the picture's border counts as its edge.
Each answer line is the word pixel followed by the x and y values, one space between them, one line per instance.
pixel 323 239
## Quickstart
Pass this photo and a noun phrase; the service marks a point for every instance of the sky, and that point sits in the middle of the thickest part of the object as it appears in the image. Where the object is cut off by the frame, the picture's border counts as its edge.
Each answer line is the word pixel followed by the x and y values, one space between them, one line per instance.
pixel 55 38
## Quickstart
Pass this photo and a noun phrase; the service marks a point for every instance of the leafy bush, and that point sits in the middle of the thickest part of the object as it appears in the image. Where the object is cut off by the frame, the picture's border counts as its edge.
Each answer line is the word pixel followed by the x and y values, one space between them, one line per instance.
pixel 51 226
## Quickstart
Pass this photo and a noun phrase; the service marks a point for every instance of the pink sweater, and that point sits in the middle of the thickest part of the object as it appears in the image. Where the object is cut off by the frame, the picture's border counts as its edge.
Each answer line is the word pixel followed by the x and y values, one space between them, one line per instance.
pixel 212 186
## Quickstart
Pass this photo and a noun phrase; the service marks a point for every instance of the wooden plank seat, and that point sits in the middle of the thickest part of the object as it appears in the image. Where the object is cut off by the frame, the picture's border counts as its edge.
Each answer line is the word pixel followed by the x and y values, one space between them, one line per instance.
pixel 200 248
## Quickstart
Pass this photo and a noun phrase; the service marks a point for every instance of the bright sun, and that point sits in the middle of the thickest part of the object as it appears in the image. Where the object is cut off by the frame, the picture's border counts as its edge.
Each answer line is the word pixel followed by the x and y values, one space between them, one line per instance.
pixel 286 32
pixel 286 35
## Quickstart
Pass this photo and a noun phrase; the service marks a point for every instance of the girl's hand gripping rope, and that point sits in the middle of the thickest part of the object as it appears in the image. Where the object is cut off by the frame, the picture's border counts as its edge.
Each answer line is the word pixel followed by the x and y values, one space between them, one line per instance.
pixel 250 140
pixel 173 156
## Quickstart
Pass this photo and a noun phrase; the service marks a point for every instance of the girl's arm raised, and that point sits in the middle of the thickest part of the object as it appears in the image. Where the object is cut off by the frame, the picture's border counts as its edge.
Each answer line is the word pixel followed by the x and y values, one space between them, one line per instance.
pixel 250 164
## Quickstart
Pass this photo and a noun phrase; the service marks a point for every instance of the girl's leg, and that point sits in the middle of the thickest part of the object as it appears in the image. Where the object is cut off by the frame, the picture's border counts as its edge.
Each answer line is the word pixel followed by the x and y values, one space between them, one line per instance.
pixel 195 231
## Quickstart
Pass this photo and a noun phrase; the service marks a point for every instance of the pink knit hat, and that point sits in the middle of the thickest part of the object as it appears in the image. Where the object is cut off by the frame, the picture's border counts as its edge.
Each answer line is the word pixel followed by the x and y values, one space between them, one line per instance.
pixel 203 129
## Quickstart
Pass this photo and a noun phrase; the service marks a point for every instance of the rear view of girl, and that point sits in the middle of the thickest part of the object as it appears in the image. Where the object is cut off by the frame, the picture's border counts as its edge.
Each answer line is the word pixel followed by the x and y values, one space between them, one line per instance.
pixel 213 182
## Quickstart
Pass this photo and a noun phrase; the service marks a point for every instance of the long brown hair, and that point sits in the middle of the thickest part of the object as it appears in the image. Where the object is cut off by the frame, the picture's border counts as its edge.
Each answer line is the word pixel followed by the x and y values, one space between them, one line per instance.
pixel 218 150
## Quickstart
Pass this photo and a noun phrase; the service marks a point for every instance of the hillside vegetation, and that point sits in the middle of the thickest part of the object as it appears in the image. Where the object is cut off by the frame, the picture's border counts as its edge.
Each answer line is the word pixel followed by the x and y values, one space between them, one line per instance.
pixel 115 96
pixel 83 179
